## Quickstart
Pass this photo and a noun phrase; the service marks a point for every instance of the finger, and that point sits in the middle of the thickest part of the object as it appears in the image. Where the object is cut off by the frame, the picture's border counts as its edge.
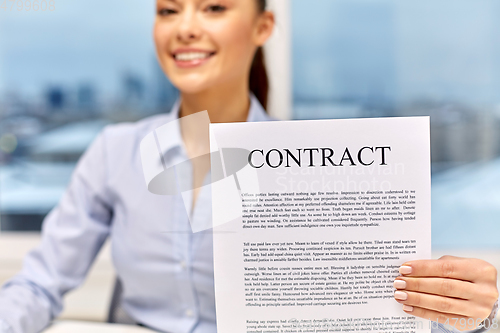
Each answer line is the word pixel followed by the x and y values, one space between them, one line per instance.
pixel 459 322
pixel 448 257
pixel 437 286
pixel 434 302
pixel 468 270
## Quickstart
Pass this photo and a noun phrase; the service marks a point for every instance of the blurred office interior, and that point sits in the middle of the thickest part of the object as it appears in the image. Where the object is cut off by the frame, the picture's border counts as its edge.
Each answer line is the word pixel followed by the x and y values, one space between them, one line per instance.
pixel 66 74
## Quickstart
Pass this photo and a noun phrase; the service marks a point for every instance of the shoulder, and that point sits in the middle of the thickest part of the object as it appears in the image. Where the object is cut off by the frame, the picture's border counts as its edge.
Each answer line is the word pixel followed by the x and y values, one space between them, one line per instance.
pixel 133 131
pixel 127 136
pixel 115 153
pixel 118 145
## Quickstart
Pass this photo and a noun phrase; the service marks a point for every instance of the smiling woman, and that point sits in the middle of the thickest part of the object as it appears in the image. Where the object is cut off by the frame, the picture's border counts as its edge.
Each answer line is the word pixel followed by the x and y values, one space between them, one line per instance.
pixel 211 50
pixel 207 48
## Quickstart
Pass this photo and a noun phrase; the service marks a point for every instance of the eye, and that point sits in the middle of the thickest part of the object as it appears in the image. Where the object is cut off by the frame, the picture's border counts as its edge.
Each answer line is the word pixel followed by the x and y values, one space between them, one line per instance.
pixel 216 8
pixel 166 11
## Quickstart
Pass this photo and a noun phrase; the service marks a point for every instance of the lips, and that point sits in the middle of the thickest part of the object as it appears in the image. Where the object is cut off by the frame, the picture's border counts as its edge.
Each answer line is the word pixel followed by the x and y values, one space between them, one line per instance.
pixel 191 58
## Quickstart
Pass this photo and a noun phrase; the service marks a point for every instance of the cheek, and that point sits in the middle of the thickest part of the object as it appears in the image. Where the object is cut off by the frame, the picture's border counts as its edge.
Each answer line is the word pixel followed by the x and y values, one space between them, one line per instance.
pixel 156 36
pixel 161 37
pixel 234 40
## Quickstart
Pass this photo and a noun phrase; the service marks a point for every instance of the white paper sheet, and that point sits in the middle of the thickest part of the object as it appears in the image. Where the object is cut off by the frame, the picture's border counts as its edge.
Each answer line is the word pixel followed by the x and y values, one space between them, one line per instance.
pixel 323 227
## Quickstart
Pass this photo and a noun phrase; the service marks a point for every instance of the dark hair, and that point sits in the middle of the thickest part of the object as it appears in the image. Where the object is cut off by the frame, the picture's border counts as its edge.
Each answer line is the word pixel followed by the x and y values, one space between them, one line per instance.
pixel 259 81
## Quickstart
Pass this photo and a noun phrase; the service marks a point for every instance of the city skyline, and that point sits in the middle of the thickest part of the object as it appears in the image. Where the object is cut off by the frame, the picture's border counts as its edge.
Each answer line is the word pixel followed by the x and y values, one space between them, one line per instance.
pixel 403 51
pixel 343 50
pixel 93 41
pixel 351 58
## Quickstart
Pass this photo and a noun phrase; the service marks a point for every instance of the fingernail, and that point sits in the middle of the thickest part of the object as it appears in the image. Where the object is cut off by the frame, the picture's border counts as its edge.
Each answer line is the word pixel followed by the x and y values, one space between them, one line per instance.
pixel 399 295
pixel 405 270
pixel 407 308
pixel 399 284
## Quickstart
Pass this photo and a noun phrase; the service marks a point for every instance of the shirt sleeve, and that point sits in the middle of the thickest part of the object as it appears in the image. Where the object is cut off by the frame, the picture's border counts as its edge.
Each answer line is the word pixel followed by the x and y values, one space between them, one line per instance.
pixel 72 235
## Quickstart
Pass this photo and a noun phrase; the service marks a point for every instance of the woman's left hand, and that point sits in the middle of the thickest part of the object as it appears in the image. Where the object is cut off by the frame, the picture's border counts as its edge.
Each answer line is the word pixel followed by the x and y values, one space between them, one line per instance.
pixel 448 288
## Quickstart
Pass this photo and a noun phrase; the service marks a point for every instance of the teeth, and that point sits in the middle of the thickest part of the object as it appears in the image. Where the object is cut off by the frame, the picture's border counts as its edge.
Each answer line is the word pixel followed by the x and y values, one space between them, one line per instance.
pixel 189 56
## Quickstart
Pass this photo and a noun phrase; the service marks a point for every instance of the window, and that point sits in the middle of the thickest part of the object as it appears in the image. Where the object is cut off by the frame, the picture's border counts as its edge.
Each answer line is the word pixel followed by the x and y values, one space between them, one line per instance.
pixel 379 58
pixel 67 73
pixel 64 75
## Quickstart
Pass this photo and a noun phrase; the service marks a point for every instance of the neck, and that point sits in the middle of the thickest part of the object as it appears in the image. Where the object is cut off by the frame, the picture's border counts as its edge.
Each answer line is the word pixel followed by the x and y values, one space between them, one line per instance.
pixel 224 104
pixel 229 103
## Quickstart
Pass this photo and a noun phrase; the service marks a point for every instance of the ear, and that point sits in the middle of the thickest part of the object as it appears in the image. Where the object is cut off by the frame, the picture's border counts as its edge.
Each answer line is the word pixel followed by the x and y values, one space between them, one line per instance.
pixel 264 27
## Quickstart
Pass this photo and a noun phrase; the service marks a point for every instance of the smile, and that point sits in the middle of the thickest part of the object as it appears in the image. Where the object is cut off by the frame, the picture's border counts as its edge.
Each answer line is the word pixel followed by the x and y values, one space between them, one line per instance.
pixel 191 58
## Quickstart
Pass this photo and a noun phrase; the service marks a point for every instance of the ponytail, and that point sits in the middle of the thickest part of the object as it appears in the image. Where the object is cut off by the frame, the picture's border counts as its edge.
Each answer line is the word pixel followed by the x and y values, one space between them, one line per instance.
pixel 259 81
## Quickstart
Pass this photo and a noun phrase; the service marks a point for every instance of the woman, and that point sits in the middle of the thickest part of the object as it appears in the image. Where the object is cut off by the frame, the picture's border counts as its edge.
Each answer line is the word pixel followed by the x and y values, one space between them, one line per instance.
pixel 207 48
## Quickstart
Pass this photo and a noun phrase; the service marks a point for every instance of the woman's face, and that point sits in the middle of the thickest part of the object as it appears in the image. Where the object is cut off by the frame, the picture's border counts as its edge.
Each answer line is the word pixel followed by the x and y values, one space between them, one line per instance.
pixel 204 43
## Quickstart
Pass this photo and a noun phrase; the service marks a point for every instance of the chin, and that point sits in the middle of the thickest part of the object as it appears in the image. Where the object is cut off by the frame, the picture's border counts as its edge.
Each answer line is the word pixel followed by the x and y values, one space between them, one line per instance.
pixel 192 84
pixel 191 88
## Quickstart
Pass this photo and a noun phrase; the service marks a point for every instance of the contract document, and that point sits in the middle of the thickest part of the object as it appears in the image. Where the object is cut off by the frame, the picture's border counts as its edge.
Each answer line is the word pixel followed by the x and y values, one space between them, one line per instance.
pixel 312 220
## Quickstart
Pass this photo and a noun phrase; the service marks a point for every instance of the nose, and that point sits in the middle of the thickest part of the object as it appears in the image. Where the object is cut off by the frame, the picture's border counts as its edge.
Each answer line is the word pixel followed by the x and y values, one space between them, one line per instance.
pixel 189 27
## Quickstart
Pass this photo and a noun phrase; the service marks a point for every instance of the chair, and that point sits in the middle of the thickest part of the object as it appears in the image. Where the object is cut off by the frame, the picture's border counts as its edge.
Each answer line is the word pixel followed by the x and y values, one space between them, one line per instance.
pixel 116 314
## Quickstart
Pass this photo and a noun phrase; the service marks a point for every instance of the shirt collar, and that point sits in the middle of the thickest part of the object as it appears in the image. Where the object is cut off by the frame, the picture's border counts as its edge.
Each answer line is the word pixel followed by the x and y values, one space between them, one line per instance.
pixel 256 112
pixel 171 138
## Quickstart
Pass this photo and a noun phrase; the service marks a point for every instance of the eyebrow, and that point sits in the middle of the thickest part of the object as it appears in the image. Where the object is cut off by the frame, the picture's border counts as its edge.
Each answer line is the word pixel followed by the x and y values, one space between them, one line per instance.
pixel 176 1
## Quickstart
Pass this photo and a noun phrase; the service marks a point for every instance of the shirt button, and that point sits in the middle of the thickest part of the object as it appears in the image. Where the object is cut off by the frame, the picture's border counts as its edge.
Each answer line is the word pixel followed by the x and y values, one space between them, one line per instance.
pixel 183 264
pixel 189 313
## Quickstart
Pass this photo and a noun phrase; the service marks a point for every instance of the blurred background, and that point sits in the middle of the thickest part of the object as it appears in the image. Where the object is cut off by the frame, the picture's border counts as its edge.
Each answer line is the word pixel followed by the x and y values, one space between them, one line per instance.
pixel 66 73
